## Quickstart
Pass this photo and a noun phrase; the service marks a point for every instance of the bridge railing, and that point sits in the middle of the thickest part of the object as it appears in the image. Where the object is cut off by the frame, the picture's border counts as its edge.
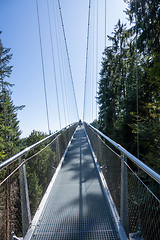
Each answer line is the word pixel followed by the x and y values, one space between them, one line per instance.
pixel 24 179
pixel 133 187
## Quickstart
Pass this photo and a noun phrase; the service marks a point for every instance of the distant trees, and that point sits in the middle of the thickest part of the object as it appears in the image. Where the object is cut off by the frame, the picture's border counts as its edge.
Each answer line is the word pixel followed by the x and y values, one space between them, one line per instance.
pixel 117 85
pixel 9 142
pixel 9 124
pixel 39 169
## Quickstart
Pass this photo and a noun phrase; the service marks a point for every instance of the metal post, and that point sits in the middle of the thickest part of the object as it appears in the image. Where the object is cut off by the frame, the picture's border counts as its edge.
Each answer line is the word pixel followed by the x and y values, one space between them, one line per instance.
pixel 58 151
pixel 65 137
pixel 70 134
pixel 124 195
pixel 98 146
pixel 25 206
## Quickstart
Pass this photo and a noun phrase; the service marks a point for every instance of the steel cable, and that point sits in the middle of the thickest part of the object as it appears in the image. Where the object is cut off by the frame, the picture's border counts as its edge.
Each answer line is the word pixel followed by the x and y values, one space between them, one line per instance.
pixel 93 60
pixel 42 61
pixel 53 61
pixel 60 60
pixel 69 64
pixel 86 67
pixel 97 60
pixel 105 112
pixel 139 220
pixel 137 83
pixel 63 59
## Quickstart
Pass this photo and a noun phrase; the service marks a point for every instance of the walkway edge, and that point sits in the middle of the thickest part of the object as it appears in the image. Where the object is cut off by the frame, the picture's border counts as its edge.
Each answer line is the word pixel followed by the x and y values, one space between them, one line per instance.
pixel 113 209
pixel 45 197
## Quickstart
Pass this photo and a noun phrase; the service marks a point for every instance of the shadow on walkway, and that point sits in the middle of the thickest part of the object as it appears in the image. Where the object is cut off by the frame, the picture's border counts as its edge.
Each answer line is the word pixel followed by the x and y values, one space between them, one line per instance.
pixel 76 207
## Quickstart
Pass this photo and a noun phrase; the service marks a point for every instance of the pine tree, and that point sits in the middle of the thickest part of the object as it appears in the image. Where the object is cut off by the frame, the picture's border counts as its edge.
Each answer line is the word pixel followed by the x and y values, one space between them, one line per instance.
pixel 9 143
pixel 147 13
pixel 117 86
pixel 9 124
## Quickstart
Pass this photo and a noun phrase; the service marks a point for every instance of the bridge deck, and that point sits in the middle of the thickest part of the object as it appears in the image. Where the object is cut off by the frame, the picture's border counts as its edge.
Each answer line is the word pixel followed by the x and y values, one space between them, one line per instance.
pixel 76 207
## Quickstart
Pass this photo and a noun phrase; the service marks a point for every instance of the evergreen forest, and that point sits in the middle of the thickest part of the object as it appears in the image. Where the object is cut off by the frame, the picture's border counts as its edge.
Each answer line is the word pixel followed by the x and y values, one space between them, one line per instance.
pixel 39 170
pixel 129 85
pixel 128 98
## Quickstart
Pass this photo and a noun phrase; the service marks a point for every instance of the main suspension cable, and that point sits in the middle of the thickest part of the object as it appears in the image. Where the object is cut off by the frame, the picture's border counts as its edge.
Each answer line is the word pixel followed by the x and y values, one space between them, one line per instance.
pixel 86 68
pixel 44 81
pixel 59 60
pixel 55 77
pixel 65 40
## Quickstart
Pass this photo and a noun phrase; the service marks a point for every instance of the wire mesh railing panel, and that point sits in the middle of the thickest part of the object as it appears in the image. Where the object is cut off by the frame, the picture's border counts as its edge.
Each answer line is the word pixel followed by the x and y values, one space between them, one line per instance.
pixel 41 168
pixel 143 208
pixel 24 182
pixel 39 171
pixel 110 165
pixel 10 204
pixel 150 183
pixel 136 195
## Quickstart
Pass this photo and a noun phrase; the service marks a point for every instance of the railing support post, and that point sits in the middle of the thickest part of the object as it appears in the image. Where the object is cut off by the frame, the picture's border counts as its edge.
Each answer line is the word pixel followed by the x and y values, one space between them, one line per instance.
pixel 25 206
pixel 124 195
pixel 58 151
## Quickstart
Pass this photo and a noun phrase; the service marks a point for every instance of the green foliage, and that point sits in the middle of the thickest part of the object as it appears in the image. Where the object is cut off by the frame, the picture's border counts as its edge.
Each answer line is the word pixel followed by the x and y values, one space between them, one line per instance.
pixel 9 141
pixel 9 124
pixel 35 191
pixel 95 123
pixel 39 169
pixel 117 85
pixel 10 133
pixel 148 23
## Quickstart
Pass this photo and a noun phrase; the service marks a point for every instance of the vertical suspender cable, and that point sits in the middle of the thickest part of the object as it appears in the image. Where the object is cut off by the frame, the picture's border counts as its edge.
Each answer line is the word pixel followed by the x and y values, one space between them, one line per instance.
pixel 89 10
pixel 137 85
pixel 60 63
pixel 59 46
pixel 55 78
pixel 96 59
pixel 44 81
pixel 105 113
pixel 105 23
pixel 65 40
pixel 137 93
pixel 58 30
pixel 93 58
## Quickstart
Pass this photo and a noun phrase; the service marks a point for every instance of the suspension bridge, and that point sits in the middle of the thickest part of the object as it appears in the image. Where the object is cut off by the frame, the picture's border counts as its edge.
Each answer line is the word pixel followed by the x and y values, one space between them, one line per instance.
pixel 92 191
pixel 88 187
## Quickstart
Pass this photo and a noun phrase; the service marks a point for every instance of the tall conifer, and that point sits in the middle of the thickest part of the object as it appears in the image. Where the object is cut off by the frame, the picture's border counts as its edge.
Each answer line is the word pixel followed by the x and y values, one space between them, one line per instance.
pixel 117 86
pixel 9 124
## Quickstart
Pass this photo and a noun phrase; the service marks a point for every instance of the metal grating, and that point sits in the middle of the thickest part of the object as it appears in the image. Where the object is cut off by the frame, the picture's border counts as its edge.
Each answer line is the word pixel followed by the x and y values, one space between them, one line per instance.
pixel 76 207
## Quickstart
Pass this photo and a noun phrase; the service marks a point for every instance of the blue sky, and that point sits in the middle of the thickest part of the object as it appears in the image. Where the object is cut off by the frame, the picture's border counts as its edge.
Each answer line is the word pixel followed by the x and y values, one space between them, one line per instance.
pixel 19 26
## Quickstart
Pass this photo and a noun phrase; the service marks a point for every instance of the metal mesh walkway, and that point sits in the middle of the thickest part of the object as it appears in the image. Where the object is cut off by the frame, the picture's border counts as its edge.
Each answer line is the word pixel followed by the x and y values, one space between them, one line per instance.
pixel 76 207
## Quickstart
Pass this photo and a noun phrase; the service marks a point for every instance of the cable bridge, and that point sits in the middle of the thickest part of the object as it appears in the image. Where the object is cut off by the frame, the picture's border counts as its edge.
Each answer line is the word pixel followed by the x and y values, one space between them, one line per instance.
pixel 87 190
pixel 77 183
